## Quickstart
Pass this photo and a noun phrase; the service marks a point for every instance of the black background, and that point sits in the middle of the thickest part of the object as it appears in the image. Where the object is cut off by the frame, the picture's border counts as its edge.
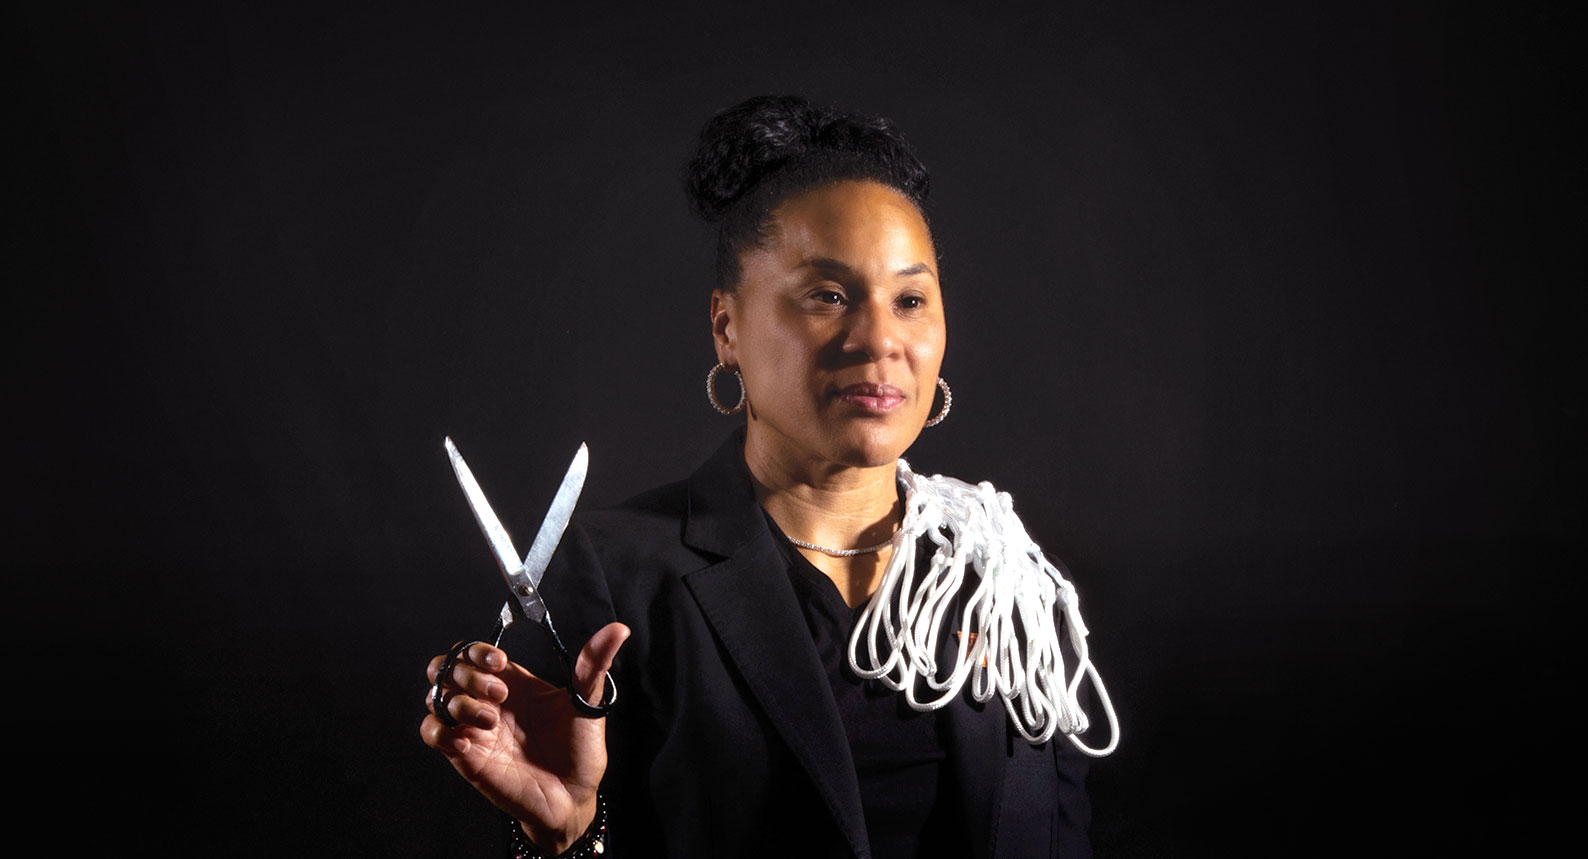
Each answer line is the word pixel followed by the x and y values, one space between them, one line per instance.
pixel 1269 316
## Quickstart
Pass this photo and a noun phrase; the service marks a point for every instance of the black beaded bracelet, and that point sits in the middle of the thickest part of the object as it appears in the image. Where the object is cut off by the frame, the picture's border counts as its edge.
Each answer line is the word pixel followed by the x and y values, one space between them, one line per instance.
pixel 591 844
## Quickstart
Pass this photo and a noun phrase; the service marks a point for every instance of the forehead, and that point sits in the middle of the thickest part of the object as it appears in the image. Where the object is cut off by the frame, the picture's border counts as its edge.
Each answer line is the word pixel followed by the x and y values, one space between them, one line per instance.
pixel 860 223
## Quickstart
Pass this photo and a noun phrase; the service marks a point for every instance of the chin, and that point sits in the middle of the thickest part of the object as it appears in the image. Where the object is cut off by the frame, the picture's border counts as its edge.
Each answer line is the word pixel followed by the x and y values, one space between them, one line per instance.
pixel 872 447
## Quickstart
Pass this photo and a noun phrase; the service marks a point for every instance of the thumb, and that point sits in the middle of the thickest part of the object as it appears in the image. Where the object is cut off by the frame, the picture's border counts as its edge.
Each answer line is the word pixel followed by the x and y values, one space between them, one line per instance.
pixel 589 672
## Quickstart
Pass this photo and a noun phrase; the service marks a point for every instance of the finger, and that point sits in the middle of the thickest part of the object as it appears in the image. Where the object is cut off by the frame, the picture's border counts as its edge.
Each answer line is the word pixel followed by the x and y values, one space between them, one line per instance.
pixel 595 660
pixel 471 680
pixel 437 736
pixel 467 710
pixel 443 739
pixel 453 742
pixel 492 659
pixel 479 654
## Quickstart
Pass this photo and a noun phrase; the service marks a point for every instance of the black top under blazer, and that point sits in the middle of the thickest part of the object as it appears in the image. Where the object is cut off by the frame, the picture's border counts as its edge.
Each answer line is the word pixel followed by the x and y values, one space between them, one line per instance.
pixel 725 739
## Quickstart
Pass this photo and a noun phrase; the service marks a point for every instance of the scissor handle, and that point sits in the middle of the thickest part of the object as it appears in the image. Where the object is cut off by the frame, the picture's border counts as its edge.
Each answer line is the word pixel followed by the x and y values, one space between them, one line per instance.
pixel 438 702
pixel 609 687
pixel 609 697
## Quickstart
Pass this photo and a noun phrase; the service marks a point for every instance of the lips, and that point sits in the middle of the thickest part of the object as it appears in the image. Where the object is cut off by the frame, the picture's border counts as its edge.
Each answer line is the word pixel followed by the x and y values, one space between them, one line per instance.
pixel 872 397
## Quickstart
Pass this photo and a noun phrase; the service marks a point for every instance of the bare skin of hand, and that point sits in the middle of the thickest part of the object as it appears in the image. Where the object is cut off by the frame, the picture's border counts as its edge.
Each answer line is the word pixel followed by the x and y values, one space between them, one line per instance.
pixel 519 740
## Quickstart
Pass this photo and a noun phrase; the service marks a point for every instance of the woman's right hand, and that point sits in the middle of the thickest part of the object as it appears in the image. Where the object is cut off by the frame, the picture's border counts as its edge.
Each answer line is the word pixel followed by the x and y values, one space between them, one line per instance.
pixel 519 740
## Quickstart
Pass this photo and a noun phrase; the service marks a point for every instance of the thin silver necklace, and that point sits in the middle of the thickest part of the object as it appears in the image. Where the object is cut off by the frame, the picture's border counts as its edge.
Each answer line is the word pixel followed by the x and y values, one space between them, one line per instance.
pixel 842 553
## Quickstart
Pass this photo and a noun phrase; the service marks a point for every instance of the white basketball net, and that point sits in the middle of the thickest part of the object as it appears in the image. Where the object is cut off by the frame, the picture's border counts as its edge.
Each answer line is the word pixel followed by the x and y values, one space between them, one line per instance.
pixel 1008 627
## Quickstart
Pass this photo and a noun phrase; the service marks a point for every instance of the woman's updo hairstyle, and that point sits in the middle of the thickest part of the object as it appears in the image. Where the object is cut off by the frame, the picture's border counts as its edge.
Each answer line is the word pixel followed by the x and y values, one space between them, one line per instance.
pixel 756 154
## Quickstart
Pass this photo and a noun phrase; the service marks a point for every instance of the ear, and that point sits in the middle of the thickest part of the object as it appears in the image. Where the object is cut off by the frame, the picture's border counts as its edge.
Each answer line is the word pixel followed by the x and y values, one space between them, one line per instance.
pixel 723 334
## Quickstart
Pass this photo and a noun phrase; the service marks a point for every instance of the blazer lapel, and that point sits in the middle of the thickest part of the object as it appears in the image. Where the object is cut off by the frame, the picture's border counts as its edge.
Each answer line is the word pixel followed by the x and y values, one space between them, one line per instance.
pixel 979 757
pixel 980 740
pixel 751 606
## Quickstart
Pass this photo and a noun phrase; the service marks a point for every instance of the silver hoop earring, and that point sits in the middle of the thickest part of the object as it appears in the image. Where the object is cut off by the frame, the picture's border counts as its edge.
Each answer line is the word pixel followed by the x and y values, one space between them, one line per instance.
pixel 711 390
pixel 948 403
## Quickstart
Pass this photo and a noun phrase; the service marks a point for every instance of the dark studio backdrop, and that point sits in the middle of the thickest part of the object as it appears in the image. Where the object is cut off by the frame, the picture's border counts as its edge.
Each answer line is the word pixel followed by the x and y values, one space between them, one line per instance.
pixel 1268 315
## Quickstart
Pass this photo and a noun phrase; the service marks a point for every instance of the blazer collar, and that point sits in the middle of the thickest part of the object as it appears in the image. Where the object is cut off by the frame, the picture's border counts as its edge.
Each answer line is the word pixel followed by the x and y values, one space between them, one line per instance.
pixel 723 513
pixel 749 602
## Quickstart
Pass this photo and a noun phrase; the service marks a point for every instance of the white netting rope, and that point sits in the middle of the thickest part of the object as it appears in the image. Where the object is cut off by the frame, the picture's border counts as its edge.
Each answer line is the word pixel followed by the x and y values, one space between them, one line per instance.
pixel 1009 625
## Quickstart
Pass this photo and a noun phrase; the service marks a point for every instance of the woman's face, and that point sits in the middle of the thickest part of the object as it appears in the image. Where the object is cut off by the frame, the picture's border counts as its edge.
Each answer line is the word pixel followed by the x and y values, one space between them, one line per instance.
pixel 837 327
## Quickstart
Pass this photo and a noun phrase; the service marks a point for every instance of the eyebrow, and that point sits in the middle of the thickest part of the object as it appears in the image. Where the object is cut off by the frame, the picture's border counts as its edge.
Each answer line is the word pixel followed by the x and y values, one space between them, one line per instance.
pixel 835 265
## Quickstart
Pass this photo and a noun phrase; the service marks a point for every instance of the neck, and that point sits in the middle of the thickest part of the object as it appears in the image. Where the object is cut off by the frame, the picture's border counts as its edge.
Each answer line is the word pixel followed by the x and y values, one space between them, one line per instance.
pixel 835 506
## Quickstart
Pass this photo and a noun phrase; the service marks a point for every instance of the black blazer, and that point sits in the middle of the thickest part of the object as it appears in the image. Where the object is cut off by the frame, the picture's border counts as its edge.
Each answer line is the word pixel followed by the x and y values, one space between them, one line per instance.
pixel 725 740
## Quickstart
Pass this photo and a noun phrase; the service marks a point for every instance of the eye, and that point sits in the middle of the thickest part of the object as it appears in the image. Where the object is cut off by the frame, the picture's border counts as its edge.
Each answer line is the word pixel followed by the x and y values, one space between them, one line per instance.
pixel 911 301
pixel 828 296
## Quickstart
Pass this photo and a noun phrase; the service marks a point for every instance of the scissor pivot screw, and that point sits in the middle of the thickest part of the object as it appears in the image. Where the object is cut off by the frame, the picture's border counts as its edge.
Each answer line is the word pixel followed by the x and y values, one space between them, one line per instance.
pixel 525 590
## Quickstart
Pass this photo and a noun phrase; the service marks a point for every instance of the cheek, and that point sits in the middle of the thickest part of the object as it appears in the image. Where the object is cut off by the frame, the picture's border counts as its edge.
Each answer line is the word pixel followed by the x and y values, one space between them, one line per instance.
pixel 928 353
pixel 776 362
pixel 779 346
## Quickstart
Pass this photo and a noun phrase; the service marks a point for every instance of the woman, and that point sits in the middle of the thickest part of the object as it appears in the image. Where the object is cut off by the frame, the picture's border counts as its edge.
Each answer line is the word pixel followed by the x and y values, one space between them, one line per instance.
pixel 726 605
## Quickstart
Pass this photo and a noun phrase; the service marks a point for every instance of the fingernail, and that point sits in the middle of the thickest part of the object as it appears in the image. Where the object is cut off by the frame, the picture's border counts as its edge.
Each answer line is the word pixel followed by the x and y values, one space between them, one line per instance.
pixel 494 660
pixel 497 691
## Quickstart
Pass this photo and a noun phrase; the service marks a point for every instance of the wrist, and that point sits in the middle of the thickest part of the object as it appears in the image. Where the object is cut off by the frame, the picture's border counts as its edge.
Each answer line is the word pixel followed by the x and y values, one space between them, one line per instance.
pixel 586 837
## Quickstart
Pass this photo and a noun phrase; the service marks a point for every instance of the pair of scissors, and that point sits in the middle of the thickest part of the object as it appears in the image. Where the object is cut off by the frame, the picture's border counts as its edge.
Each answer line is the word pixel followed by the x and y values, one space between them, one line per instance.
pixel 523 577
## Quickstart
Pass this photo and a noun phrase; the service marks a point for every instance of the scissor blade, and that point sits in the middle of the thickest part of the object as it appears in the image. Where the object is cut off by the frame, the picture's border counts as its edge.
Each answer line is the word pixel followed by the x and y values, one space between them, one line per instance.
pixel 550 533
pixel 501 544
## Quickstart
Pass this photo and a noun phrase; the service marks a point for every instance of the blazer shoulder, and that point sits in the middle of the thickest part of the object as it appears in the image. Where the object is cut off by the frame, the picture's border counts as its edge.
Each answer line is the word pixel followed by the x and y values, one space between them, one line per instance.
pixel 661 509
pixel 642 536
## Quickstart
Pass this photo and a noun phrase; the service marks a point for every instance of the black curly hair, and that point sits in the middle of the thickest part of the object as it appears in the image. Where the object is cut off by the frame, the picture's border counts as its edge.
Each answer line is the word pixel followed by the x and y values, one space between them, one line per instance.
pixel 760 152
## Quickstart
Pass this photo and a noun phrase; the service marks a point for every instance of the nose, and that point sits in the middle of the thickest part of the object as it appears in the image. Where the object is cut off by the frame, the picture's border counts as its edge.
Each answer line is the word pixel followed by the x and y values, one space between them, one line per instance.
pixel 873 331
